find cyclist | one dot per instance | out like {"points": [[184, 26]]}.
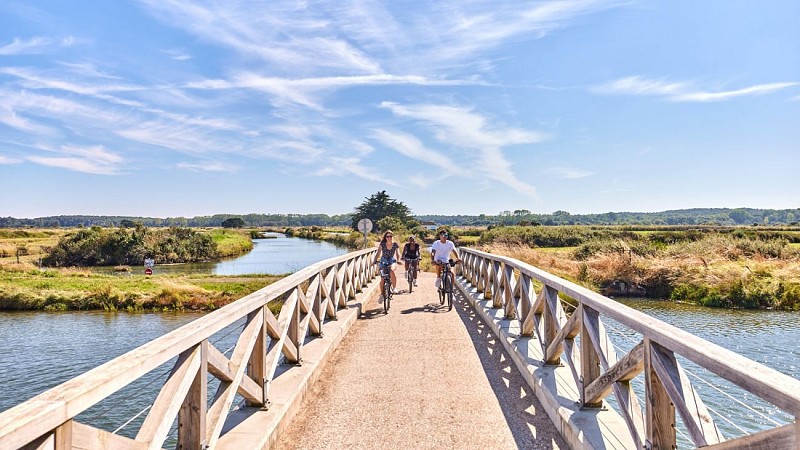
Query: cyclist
{"points": [[440, 254], [388, 254], [411, 255]]}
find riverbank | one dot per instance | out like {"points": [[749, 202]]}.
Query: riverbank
{"points": [[730, 268], [24, 287]]}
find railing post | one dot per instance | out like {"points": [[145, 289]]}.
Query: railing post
{"points": [[590, 360], [550, 320], [509, 288], [526, 297], [257, 366], [293, 334], [63, 436], [660, 425], [192, 415], [497, 283]]}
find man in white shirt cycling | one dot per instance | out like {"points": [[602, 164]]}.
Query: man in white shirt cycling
{"points": [[440, 254]]}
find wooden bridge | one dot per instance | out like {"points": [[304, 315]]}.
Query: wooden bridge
{"points": [[524, 360]]}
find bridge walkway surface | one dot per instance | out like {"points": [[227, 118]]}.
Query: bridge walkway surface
{"points": [[421, 377]]}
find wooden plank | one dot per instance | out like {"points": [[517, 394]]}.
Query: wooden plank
{"points": [[155, 428], [509, 286], [293, 335], [781, 438], [85, 437], [625, 369], [527, 294], [660, 421], [314, 293], [63, 436], [221, 368], [590, 360], [46, 442], [497, 280], [573, 354], [695, 415], [631, 411], [277, 346], [569, 330], [257, 366], [215, 418], [192, 414]]}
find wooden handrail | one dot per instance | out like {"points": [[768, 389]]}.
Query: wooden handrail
{"points": [[331, 283], [597, 372]]}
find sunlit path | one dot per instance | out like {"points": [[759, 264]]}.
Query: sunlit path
{"points": [[421, 377]]}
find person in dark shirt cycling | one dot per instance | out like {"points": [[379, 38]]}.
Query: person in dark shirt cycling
{"points": [[411, 256], [387, 255]]}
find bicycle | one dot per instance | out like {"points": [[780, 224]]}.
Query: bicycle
{"points": [[385, 270], [446, 286], [411, 276]]}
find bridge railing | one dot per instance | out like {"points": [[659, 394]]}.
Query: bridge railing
{"points": [[597, 371], [310, 297]]}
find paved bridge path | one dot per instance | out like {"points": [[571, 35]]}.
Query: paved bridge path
{"points": [[421, 377]]}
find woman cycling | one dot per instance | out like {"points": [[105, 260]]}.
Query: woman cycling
{"points": [[411, 256], [388, 254]]}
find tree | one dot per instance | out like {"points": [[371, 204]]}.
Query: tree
{"points": [[233, 222], [380, 205]]}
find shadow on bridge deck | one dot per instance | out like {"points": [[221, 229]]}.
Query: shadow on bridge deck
{"points": [[421, 377]]}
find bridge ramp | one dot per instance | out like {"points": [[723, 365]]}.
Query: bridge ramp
{"points": [[421, 377]]}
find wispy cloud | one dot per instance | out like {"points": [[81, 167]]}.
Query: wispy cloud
{"points": [[353, 166], [682, 91], [293, 37], [639, 86], [93, 160], [178, 54], [36, 44], [759, 89], [568, 173], [410, 146], [7, 160], [462, 127], [300, 91], [209, 166]]}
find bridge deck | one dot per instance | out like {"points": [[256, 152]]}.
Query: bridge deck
{"points": [[421, 377]]}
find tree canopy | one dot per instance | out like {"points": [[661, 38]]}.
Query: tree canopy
{"points": [[379, 206], [233, 222]]}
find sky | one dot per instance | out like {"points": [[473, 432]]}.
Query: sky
{"points": [[165, 108]]}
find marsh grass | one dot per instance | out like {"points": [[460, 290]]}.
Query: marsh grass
{"points": [[728, 268], [231, 242], [25, 287]]}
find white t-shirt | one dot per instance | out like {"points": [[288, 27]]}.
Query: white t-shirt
{"points": [[442, 251]]}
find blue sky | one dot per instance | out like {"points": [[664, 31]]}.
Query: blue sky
{"points": [[194, 107]]}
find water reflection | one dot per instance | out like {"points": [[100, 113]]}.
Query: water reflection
{"points": [[275, 254]]}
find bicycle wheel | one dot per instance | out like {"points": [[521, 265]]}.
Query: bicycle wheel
{"points": [[410, 278], [441, 292], [447, 291], [387, 295]]}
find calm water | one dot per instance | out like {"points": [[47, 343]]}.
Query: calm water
{"points": [[276, 255], [759, 335]]}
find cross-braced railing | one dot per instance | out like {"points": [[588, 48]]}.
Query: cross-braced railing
{"points": [[597, 371], [312, 296]]}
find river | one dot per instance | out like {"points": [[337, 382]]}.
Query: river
{"points": [[41, 350]]}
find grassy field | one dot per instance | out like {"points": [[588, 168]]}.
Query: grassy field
{"points": [[24, 286]]}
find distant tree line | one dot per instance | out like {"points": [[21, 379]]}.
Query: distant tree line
{"points": [[381, 205], [98, 246], [217, 220], [698, 216]]}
